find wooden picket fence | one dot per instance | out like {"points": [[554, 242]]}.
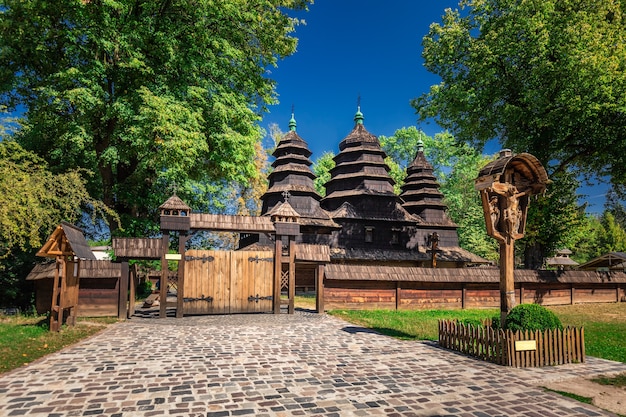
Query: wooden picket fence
{"points": [[517, 349]]}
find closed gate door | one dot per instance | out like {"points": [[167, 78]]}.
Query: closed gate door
{"points": [[221, 282]]}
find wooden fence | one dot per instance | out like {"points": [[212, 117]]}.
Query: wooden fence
{"points": [[518, 349]]}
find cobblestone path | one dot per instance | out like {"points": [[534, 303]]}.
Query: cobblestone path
{"points": [[277, 365]]}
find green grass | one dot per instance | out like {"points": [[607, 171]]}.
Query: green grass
{"points": [[409, 324], [604, 324], [580, 398], [618, 380], [605, 327], [25, 339]]}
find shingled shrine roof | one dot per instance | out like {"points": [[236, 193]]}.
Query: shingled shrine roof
{"points": [[67, 240], [292, 180], [361, 180], [421, 194]]}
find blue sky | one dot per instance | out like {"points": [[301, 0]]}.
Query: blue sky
{"points": [[349, 48], [366, 48]]}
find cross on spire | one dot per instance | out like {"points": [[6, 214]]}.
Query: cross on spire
{"points": [[286, 196]]}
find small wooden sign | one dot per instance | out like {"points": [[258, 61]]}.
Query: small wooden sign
{"points": [[522, 345], [173, 256]]}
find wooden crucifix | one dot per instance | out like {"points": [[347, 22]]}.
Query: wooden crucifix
{"points": [[505, 187]]}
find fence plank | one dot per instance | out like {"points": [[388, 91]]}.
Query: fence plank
{"points": [[553, 347]]}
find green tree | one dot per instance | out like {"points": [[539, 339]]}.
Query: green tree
{"points": [[555, 220], [612, 237], [33, 201], [321, 168], [542, 76], [147, 93], [614, 205], [455, 165]]}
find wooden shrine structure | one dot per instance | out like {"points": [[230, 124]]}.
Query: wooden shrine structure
{"points": [[505, 187], [67, 245]]}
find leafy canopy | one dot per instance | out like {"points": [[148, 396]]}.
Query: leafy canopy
{"points": [[145, 93], [33, 201], [542, 76], [455, 165]]}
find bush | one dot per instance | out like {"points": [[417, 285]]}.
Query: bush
{"points": [[531, 317], [144, 289]]}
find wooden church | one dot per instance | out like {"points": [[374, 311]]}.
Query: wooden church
{"points": [[361, 220]]}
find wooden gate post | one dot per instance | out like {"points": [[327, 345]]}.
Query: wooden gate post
{"points": [[319, 299], [286, 224], [180, 289], [292, 274], [164, 276], [278, 272], [126, 297]]}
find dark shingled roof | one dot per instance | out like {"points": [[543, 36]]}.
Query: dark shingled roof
{"points": [[71, 235], [137, 248], [88, 269], [464, 275], [421, 194]]}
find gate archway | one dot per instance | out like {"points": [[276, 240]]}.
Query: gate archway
{"points": [[226, 282]]}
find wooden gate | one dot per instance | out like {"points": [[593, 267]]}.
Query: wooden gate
{"points": [[222, 282]]}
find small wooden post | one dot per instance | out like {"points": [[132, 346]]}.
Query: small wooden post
{"points": [[507, 281], [133, 290], [398, 292], [180, 290], [278, 270], [463, 296], [163, 283], [122, 308], [319, 272], [292, 274]]}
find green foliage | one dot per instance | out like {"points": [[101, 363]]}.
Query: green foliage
{"points": [[321, 168], [555, 220], [612, 237], [33, 202], [148, 94], [144, 289], [531, 317], [455, 165], [614, 205], [545, 77]]}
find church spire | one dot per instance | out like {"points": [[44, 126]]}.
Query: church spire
{"points": [[292, 122]]}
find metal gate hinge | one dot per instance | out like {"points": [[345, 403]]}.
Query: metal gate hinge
{"points": [[257, 298], [257, 259], [200, 258]]}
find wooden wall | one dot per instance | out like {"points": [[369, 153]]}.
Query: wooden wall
{"points": [[97, 297], [392, 295]]}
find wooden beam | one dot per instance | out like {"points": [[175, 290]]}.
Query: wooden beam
{"points": [[278, 269], [164, 274], [292, 274], [507, 282], [319, 299], [180, 291], [122, 307]]}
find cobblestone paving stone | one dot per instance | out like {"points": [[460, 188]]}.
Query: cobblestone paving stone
{"points": [[277, 365]]}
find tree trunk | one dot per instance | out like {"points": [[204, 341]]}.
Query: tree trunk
{"points": [[533, 256]]}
